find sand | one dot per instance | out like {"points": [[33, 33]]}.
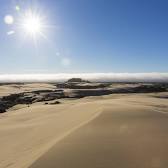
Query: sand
{"points": [[15, 88], [121, 131], [121, 136]]}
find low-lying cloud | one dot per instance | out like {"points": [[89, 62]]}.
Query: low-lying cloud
{"points": [[100, 77]]}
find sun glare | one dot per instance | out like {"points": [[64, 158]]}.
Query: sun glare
{"points": [[32, 24]]}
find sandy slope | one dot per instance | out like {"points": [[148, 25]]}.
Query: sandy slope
{"points": [[15, 88], [27, 133], [121, 137], [101, 133]]}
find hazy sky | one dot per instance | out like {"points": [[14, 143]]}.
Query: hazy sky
{"points": [[85, 36]]}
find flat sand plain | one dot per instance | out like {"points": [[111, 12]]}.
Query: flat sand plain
{"points": [[120, 131], [19, 88]]}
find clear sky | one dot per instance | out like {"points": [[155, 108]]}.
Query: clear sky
{"points": [[84, 36]]}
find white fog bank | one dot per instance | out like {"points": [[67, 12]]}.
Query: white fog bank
{"points": [[100, 77]]}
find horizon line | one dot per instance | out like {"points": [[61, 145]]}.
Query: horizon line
{"points": [[93, 77]]}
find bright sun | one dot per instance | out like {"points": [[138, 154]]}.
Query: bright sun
{"points": [[32, 24]]}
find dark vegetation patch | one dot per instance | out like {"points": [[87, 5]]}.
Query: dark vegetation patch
{"points": [[28, 98], [162, 97]]}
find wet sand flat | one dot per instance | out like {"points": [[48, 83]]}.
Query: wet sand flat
{"points": [[121, 137]]}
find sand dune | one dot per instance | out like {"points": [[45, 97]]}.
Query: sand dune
{"points": [[19, 88], [86, 132], [121, 136], [28, 133]]}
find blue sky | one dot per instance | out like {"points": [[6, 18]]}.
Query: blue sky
{"points": [[87, 36]]}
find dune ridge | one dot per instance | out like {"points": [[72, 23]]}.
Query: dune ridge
{"points": [[28, 133]]}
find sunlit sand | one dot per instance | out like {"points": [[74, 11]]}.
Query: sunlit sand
{"points": [[118, 130]]}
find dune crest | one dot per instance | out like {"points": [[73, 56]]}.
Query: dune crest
{"points": [[28, 133]]}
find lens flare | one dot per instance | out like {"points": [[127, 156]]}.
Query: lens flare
{"points": [[10, 32], [8, 19], [17, 8]]}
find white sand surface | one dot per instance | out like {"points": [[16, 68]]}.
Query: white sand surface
{"points": [[28, 133]]}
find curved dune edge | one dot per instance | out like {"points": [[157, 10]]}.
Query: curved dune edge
{"points": [[28, 133], [45, 149]]}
